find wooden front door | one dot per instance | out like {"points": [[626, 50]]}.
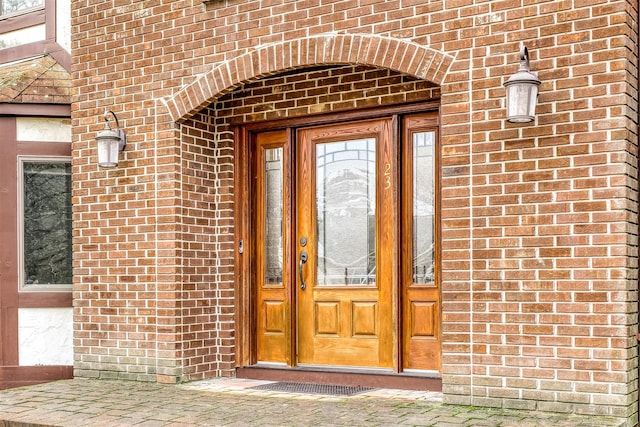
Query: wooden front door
{"points": [[344, 244]]}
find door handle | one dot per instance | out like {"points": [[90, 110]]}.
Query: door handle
{"points": [[303, 260]]}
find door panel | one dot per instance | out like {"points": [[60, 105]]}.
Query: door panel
{"points": [[343, 211], [364, 315], [271, 207]]}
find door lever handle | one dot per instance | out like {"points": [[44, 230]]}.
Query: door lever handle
{"points": [[303, 260]]}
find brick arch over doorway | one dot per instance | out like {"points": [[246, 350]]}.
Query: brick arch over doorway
{"points": [[399, 55]]}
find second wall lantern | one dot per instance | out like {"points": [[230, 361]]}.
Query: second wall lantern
{"points": [[522, 92], [110, 142]]}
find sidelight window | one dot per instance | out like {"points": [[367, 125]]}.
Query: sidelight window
{"points": [[423, 207], [273, 216]]}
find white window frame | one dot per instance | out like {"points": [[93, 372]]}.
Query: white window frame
{"points": [[22, 287]]}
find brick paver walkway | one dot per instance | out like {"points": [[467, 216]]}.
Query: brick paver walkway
{"points": [[228, 402]]}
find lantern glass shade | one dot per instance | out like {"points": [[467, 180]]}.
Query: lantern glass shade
{"points": [[521, 101], [108, 153], [109, 145]]}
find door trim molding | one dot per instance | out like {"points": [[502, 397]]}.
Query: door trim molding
{"points": [[337, 117]]}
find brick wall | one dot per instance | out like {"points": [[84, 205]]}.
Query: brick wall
{"points": [[539, 221]]}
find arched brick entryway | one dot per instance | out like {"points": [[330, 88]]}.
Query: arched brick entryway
{"points": [[193, 107], [399, 55]]}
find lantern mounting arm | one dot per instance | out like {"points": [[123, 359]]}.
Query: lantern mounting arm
{"points": [[119, 131], [524, 60]]}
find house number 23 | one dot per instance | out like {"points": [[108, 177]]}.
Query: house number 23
{"points": [[387, 176]]}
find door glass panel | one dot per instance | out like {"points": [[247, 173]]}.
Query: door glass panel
{"points": [[423, 207], [273, 216], [346, 208]]}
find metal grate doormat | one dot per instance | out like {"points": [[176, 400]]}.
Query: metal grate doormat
{"points": [[330, 389]]}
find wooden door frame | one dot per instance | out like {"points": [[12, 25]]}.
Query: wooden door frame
{"points": [[244, 297]]}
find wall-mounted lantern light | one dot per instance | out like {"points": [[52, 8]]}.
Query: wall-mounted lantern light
{"points": [[522, 92], [110, 142]]}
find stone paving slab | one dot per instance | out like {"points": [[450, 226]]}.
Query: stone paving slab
{"points": [[230, 402]]}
